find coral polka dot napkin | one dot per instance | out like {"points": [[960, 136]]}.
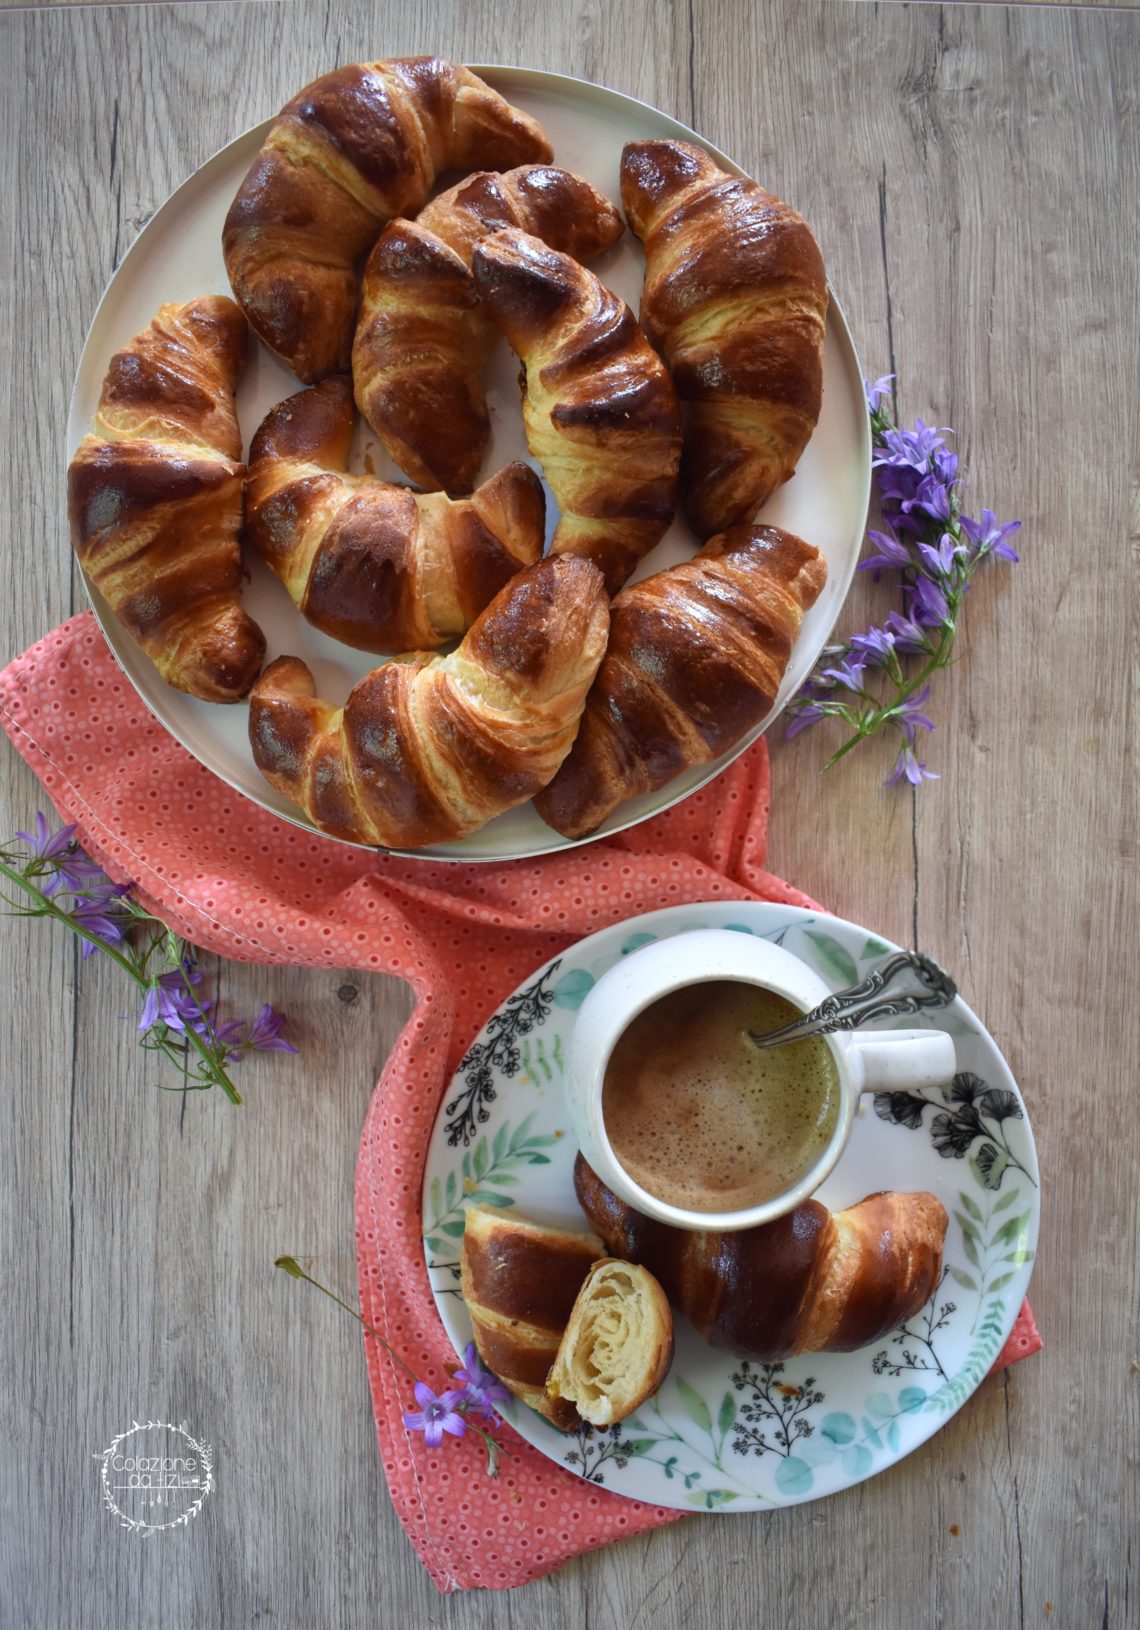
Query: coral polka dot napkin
{"points": [[239, 882]]}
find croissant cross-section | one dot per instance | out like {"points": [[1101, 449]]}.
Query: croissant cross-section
{"points": [[617, 1345]]}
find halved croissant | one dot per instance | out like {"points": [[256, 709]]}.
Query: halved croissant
{"points": [[735, 300], [520, 1281], [617, 1346], [155, 499], [375, 565], [427, 749], [600, 410], [812, 1281], [696, 655], [422, 337], [348, 153]]}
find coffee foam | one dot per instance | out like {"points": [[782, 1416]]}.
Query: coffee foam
{"points": [[702, 1119]]}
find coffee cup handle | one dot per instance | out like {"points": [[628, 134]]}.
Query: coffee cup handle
{"points": [[896, 1059]]}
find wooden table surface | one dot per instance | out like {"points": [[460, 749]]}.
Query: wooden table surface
{"points": [[972, 175]]}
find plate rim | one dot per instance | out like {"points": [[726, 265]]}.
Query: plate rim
{"points": [[1013, 1294], [119, 641]]}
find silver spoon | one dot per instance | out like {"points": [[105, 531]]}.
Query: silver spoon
{"points": [[914, 983]]}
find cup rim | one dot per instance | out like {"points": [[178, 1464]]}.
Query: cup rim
{"points": [[779, 1205]]}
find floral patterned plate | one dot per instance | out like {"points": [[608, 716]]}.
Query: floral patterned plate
{"points": [[724, 1433]]}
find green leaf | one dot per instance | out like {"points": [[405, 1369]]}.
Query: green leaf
{"points": [[817, 1451], [480, 1157], [434, 1244], [794, 1476], [834, 958], [839, 1427], [1006, 1200], [871, 1433], [452, 1188], [726, 1415], [536, 1160], [467, 1167], [436, 1197], [856, 1461], [520, 1133], [641, 1446], [504, 1179], [488, 1197], [910, 1399], [894, 1437], [961, 1277], [1001, 1281], [971, 1206], [874, 947], [695, 1407], [710, 1499], [964, 1224], [454, 1228], [1010, 1230], [1022, 1254], [970, 1247], [499, 1147], [572, 990], [881, 1405], [635, 942]]}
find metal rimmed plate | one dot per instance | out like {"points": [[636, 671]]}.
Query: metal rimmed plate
{"points": [[722, 1433], [178, 255]]}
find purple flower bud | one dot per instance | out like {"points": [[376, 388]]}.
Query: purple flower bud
{"points": [[891, 553], [849, 673], [909, 636], [909, 769], [876, 389], [875, 646], [928, 604], [804, 717], [482, 1391]]}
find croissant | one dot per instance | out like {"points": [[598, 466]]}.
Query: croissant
{"points": [[600, 410], [379, 566], [812, 1281], [696, 656], [155, 499], [350, 152], [617, 1346], [427, 749], [735, 300], [422, 337], [520, 1282]]}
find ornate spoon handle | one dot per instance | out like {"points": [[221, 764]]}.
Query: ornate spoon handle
{"points": [[918, 983]]}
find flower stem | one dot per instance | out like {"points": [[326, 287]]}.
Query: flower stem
{"points": [[47, 908], [292, 1266]]}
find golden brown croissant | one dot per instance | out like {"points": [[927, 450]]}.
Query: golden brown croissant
{"points": [[617, 1346], [155, 499], [379, 566], [427, 749], [422, 337], [695, 658], [520, 1281], [600, 410], [350, 152], [735, 299], [812, 1281]]}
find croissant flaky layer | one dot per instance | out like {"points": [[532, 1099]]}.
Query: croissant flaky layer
{"points": [[422, 336], [347, 154], [695, 659], [600, 410], [375, 565], [155, 498], [428, 749], [812, 1281], [520, 1281], [735, 299]]}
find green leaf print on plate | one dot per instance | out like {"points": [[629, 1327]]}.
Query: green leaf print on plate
{"points": [[832, 958]]}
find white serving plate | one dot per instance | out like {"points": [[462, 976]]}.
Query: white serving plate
{"points": [[178, 255]]}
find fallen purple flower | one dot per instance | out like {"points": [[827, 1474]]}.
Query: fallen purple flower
{"points": [[72, 867], [435, 1416], [168, 1002], [482, 1391]]}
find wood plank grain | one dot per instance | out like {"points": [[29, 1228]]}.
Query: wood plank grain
{"points": [[969, 176]]}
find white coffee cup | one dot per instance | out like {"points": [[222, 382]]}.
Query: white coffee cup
{"points": [[865, 1061]]}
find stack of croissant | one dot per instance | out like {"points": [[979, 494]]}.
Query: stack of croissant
{"points": [[568, 685]]}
